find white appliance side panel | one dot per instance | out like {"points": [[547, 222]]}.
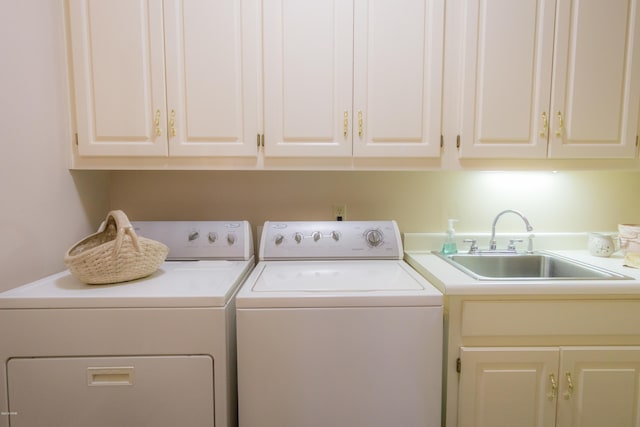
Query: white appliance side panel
{"points": [[340, 367], [107, 392]]}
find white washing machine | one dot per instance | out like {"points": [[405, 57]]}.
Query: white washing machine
{"points": [[159, 351], [335, 329]]}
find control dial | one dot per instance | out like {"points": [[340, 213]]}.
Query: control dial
{"points": [[316, 236], [298, 237], [231, 238], [374, 238], [279, 239], [212, 237]]}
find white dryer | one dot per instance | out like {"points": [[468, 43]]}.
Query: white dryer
{"points": [[159, 351], [335, 329]]}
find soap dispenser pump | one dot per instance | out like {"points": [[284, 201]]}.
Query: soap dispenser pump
{"points": [[449, 246]]}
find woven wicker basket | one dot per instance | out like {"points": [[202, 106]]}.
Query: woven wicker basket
{"points": [[114, 254]]}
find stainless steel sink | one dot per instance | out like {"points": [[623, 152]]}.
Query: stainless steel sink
{"points": [[525, 266]]}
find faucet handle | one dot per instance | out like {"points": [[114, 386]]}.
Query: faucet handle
{"points": [[474, 245], [512, 244]]}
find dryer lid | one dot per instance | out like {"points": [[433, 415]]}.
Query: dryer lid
{"points": [[174, 284]]}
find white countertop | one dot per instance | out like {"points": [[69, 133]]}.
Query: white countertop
{"points": [[451, 281]]}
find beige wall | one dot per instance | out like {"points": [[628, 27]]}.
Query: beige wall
{"points": [[45, 208], [419, 201]]}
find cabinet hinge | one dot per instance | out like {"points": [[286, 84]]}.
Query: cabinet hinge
{"points": [[458, 365], [458, 142]]}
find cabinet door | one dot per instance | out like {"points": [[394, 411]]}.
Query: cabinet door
{"points": [[506, 86], [118, 70], [212, 77], [397, 78], [599, 386], [506, 387], [596, 79], [308, 71]]}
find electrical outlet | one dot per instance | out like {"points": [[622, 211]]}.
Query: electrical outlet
{"points": [[340, 212]]}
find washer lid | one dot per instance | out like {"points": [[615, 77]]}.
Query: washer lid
{"points": [[336, 284], [327, 276], [174, 284]]}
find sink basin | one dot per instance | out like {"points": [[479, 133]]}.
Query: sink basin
{"points": [[534, 266]]}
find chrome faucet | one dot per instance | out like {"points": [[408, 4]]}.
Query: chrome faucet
{"points": [[492, 242]]}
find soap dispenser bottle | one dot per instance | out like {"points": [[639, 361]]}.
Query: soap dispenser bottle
{"points": [[449, 246]]}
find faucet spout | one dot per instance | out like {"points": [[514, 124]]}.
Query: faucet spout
{"points": [[492, 242]]}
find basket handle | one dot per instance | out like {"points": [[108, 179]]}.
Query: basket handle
{"points": [[123, 226]]}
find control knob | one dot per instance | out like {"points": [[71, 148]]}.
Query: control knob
{"points": [[193, 236], [279, 239], [298, 237], [231, 238], [212, 237], [374, 238], [335, 235], [316, 236]]}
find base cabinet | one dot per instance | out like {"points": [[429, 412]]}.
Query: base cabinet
{"points": [[537, 387]]}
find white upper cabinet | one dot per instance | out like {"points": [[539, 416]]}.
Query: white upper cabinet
{"points": [[596, 79], [119, 81], [175, 78], [397, 105], [308, 77], [550, 79], [356, 78]]}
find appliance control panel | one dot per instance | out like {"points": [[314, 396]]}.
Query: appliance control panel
{"points": [[195, 240], [330, 240]]}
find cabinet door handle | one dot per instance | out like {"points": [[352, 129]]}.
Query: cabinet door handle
{"points": [[345, 123], [545, 125], [554, 387], [156, 123], [560, 124], [172, 123], [360, 124], [567, 394]]}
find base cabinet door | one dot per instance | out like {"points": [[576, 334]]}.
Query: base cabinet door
{"points": [[506, 387], [549, 386], [599, 387]]}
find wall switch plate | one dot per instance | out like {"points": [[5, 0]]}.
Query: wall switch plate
{"points": [[340, 212]]}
